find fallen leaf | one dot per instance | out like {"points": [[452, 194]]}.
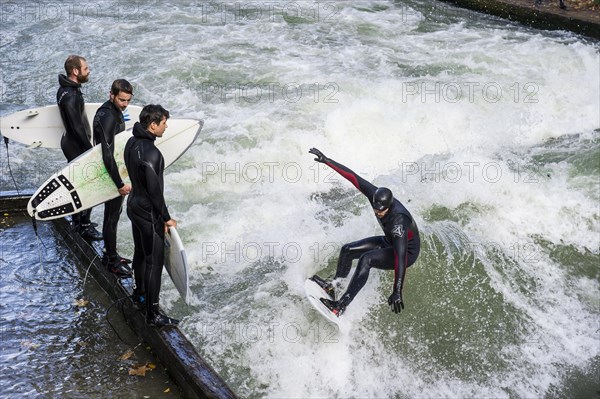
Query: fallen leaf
{"points": [[167, 390], [128, 353], [141, 370]]}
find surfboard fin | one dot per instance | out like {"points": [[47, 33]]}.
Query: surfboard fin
{"points": [[34, 144]]}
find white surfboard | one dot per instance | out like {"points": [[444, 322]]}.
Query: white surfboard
{"points": [[176, 263], [314, 292], [43, 126], [85, 183]]}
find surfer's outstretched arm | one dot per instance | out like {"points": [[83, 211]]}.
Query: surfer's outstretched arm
{"points": [[361, 184]]}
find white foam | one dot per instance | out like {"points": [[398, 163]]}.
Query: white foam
{"points": [[249, 186]]}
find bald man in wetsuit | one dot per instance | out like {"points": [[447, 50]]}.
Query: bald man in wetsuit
{"points": [[396, 250]]}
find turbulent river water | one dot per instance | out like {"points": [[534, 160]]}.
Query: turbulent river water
{"points": [[486, 130]]}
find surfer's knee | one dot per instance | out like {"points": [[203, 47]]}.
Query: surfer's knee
{"points": [[346, 250]]}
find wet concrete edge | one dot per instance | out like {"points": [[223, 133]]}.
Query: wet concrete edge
{"points": [[537, 18], [195, 377]]}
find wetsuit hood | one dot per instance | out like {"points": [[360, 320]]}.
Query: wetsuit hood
{"points": [[140, 132], [110, 105], [64, 81], [382, 198]]}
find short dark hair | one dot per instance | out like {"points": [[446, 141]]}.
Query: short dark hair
{"points": [[73, 62], [120, 85], [152, 113]]}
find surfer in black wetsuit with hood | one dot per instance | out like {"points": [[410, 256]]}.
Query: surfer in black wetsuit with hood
{"points": [[147, 210], [108, 122], [77, 137], [396, 250]]}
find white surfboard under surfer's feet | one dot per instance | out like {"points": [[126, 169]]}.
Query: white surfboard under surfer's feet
{"points": [[314, 293]]}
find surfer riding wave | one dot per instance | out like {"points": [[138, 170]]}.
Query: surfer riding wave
{"points": [[396, 250]]}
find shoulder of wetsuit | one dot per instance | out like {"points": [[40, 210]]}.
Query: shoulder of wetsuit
{"points": [[68, 93], [398, 216], [153, 155]]}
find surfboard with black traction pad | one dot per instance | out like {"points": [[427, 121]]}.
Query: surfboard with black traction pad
{"points": [[85, 182]]}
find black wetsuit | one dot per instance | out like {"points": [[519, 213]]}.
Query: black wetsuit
{"points": [[148, 213], [397, 249], [108, 122], [77, 137]]}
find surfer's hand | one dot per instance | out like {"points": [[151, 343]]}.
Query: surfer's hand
{"points": [[123, 191], [395, 301], [170, 223], [320, 156]]}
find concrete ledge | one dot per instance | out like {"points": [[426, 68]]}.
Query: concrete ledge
{"points": [[14, 201], [549, 16], [195, 377]]}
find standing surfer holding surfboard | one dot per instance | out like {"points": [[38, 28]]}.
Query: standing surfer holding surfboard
{"points": [[77, 137], [147, 210], [108, 122], [396, 250]]}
